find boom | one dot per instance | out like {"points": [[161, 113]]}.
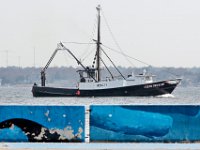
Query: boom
{"points": [[43, 77], [60, 47]]}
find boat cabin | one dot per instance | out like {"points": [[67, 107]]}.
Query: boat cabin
{"points": [[87, 75], [145, 77]]}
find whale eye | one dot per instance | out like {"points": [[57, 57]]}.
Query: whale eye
{"points": [[110, 115]]}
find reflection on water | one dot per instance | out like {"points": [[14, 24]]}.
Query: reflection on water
{"points": [[23, 96]]}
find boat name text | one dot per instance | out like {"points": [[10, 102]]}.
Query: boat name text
{"points": [[102, 84], [154, 85]]}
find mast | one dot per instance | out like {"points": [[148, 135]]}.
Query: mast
{"points": [[98, 47]]}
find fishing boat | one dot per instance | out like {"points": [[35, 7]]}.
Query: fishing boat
{"points": [[91, 83]]}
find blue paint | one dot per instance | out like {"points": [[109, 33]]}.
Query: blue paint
{"points": [[51, 119], [145, 123], [178, 109], [130, 122], [107, 123], [12, 135]]}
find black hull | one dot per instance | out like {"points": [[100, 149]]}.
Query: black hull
{"points": [[151, 89]]}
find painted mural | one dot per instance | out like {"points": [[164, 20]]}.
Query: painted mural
{"points": [[145, 123], [42, 123]]}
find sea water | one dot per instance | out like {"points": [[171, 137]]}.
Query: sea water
{"points": [[22, 95]]}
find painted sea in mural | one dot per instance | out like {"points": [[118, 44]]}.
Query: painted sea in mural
{"points": [[42, 123]]}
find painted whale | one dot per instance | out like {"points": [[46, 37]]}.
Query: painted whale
{"points": [[184, 110], [130, 122]]}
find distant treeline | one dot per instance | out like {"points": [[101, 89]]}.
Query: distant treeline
{"points": [[69, 76]]}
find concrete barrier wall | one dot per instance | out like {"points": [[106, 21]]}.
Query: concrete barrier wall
{"points": [[42, 123], [111, 123], [145, 123]]}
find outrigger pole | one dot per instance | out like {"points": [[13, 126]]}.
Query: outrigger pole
{"points": [[43, 77], [79, 63], [43, 74]]}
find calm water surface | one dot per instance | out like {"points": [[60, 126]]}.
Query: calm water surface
{"points": [[22, 95]]}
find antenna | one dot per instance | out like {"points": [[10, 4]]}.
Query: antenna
{"points": [[6, 58], [19, 61], [34, 57], [6, 51]]}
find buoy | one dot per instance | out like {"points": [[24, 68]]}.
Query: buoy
{"points": [[78, 92]]}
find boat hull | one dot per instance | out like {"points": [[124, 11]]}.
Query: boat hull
{"points": [[150, 89]]}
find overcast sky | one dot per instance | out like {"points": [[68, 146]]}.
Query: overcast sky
{"points": [[159, 32]]}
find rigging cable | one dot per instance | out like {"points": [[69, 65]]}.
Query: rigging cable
{"points": [[78, 43], [114, 39], [107, 68], [85, 51], [84, 44], [113, 64], [123, 52], [127, 55], [90, 52], [137, 59]]}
